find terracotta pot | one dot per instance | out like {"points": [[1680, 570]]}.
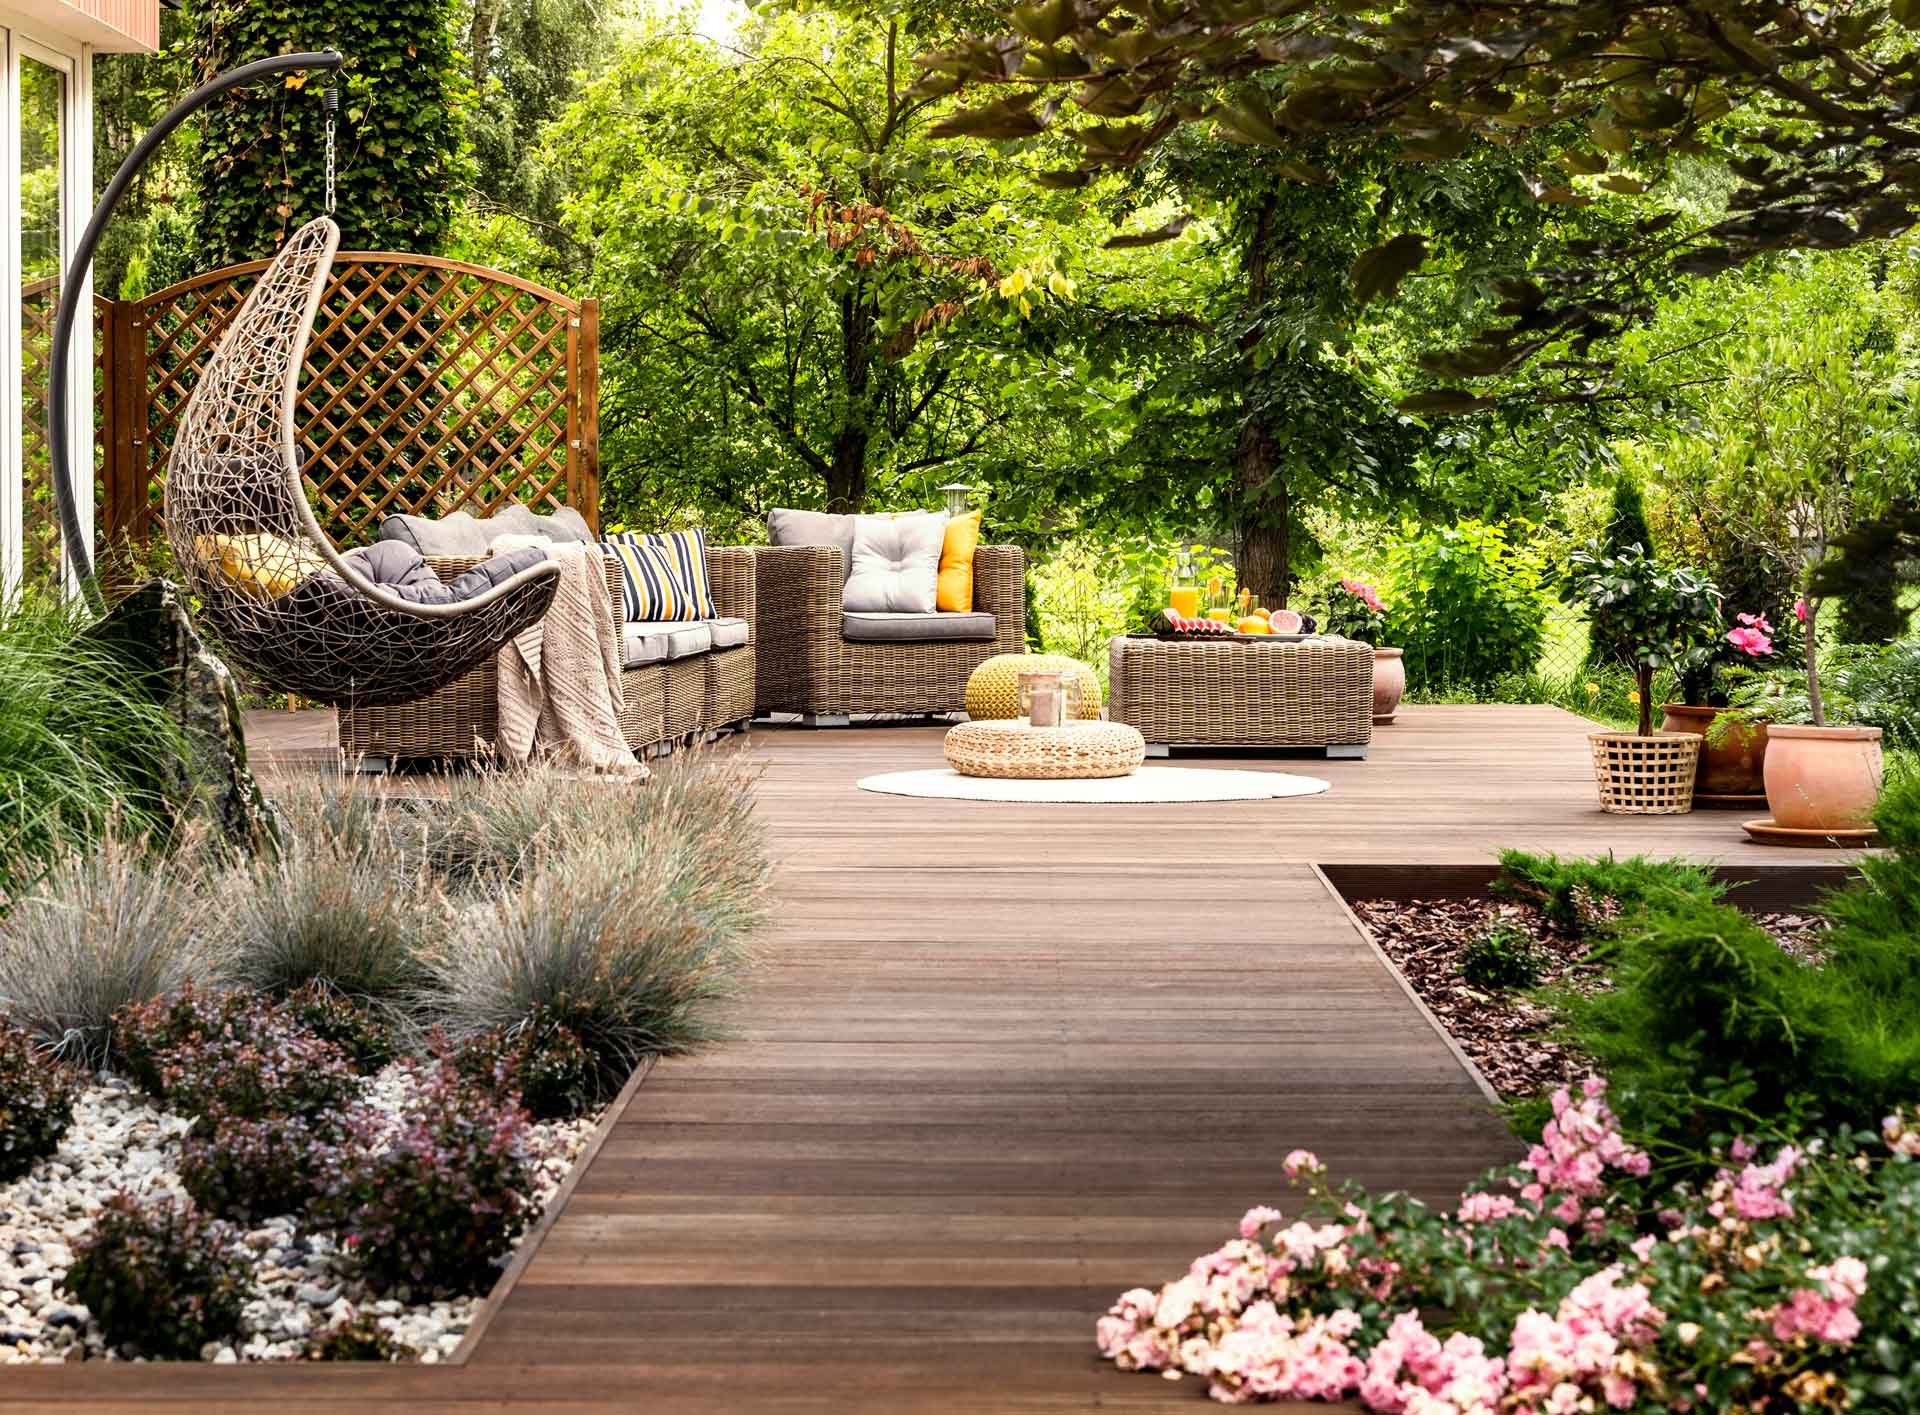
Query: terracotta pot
{"points": [[1389, 682], [1734, 765], [1823, 778]]}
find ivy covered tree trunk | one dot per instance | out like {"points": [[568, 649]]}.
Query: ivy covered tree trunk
{"points": [[401, 166]]}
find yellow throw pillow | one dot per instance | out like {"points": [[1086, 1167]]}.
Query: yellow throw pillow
{"points": [[262, 565], [954, 595]]}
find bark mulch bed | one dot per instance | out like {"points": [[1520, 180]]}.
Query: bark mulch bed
{"points": [[1507, 1033]]}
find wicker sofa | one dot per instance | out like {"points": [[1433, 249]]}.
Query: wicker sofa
{"points": [[808, 665], [666, 702]]}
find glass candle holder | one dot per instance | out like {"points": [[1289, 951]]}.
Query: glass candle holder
{"points": [[1049, 697]]}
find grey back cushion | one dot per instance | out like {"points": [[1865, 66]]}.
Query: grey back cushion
{"points": [[813, 528], [463, 533], [896, 564]]}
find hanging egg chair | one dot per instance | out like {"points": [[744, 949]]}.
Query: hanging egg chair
{"points": [[371, 627], [368, 628]]}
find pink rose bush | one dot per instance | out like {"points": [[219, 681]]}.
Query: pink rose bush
{"points": [[1580, 1280], [1356, 611]]}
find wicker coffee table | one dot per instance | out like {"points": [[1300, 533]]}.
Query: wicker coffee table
{"points": [[1012, 748], [1314, 692]]}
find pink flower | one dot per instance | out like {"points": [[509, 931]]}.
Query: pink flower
{"points": [[1299, 1162], [1759, 1190], [1271, 1355], [1413, 1371], [1751, 642], [1800, 610], [1257, 1218], [1756, 621], [1825, 1314], [1480, 1208]]}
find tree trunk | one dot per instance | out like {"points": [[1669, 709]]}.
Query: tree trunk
{"points": [[847, 471], [1261, 529], [1260, 523], [486, 20]]}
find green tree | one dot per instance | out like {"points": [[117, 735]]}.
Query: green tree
{"points": [[401, 163], [807, 299], [1609, 642]]}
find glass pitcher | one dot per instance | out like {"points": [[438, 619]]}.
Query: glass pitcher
{"points": [[1049, 697]]}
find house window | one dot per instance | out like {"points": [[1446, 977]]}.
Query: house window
{"points": [[45, 157]]}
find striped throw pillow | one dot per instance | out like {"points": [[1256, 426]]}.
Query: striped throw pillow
{"points": [[649, 583], [687, 551]]}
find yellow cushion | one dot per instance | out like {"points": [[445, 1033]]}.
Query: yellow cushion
{"points": [[954, 594], [262, 565], [993, 690]]}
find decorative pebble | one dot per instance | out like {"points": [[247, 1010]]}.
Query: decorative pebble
{"points": [[120, 1139]]}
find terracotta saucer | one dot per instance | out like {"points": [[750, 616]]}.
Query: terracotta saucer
{"points": [[1741, 801], [1767, 833]]}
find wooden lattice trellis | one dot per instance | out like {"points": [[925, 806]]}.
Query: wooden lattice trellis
{"points": [[430, 386]]}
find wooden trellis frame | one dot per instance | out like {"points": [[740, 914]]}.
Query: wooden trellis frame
{"points": [[430, 386]]}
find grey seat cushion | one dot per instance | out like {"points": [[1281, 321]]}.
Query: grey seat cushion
{"points": [[463, 533], [917, 628], [728, 633], [401, 569], [662, 641]]}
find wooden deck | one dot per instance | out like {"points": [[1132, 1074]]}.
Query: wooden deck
{"points": [[999, 1062]]}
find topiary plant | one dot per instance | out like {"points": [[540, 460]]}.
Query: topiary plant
{"points": [[450, 1193], [160, 1276], [1665, 618], [36, 1103]]}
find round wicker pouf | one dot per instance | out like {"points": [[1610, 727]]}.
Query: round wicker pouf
{"points": [[1015, 749], [993, 690]]}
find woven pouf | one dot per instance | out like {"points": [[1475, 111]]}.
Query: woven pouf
{"points": [[1072, 750], [993, 689]]}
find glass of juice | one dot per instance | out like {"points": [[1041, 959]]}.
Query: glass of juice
{"points": [[1184, 600]]}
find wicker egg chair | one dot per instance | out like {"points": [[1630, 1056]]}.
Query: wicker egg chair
{"points": [[354, 630]]}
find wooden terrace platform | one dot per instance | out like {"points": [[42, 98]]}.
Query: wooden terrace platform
{"points": [[999, 1063]]}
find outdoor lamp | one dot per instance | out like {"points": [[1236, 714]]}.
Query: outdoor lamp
{"points": [[956, 494]]}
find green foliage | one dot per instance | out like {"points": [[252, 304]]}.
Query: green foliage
{"points": [[1859, 685], [83, 749], [36, 1102], [404, 97], [1504, 956], [1659, 617], [1589, 899], [1468, 604], [1626, 528], [161, 1276], [1084, 598]]}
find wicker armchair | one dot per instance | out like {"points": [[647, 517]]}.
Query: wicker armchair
{"points": [[664, 702], [805, 666]]}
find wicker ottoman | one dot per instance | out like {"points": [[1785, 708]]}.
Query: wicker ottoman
{"points": [[993, 689], [1005, 748], [1314, 692]]}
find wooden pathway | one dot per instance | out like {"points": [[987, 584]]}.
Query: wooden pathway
{"points": [[999, 1063]]}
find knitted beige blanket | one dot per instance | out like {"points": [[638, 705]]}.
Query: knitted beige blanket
{"points": [[560, 690]]}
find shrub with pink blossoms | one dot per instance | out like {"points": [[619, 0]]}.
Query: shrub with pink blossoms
{"points": [[1578, 1280]]}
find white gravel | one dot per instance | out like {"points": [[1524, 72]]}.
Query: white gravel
{"points": [[120, 1140]]}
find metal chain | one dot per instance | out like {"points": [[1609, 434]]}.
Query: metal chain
{"points": [[332, 106]]}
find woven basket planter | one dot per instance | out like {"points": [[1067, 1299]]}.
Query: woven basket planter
{"points": [[1645, 776]]}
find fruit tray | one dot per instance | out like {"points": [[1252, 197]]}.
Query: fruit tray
{"points": [[1224, 636]]}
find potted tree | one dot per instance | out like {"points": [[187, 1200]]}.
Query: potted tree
{"points": [[1733, 754], [1355, 611], [1662, 618], [1824, 443]]}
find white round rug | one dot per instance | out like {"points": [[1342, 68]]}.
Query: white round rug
{"points": [[1148, 784]]}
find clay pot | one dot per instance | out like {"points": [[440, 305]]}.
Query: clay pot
{"points": [[1731, 767], [1389, 682], [1823, 778]]}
